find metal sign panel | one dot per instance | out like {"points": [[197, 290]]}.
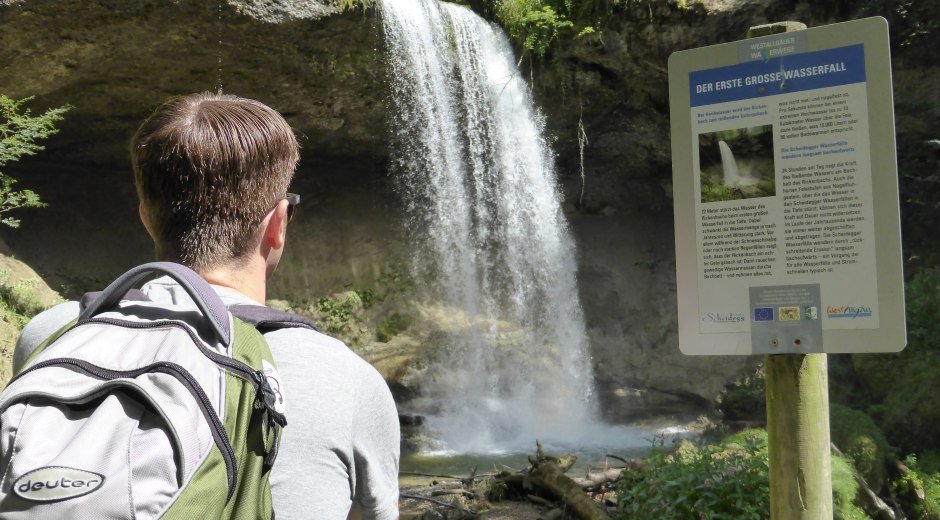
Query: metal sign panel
{"points": [[785, 174]]}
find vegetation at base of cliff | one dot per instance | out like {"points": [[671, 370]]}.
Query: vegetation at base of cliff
{"points": [[345, 314], [725, 480], [900, 389], [919, 489], [744, 399], [20, 132], [844, 491], [860, 439], [18, 303], [392, 326], [728, 480], [335, 312]]}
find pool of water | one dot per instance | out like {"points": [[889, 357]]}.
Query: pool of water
{"points": [[627, 442]]}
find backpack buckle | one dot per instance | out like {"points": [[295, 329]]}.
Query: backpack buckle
{"points": [[271, 420]]}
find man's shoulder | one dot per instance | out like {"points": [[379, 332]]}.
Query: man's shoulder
{"points": [[298, 344], [43, 325]]}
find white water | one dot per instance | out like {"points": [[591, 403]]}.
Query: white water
{"points": [[491, 242], [731, 176]]}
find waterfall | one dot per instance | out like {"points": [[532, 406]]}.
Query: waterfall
{"points": [[490, 241], [729, 165]]}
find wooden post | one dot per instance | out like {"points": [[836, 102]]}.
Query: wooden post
{"points": [[798, 436], [797, 415]]}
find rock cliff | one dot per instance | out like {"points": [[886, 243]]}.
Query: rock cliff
{"points": [[324, 70]]}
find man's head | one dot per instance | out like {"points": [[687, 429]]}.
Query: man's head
{"points": [[209, 169]]}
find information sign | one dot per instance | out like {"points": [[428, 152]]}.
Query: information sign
{"points": [[785, 175]]}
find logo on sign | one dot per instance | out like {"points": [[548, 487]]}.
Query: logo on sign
{"points": [[54, 483], [726, 317], [789, 314], [849, 311], [763, 314]]}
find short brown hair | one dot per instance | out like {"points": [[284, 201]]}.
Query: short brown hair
{"points": [[208, 168]]}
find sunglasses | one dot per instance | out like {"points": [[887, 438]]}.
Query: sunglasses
{"points": [[293, 200]]}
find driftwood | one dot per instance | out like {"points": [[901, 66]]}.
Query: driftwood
{"points": [[440, 503], [547, 474], [597, 479], [617, 457], [871, 501]]}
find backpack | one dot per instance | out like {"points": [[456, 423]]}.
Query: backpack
{"points": [[139, 410]]}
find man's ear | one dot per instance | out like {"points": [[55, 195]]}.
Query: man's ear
{"points": [[145, 218], [275, 230]]}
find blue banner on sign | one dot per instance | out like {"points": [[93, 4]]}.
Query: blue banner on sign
{"points": [[783, 75]]}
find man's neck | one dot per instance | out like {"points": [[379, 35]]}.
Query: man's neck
{"points": [[248, 279]]}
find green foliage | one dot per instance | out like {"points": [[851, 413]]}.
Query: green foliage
{"points": [[919, 491], [367, 297], [19, 133], [923, 309], [336, 313], [844, 491], [726, 481], [861, 441], [343, 313], [538, 23], [18, 302], [715, 192], [393, 280], [392, 326], [903, 385], [766, 186], [929, 461], [355, 5], [496, 490], [744, 399]]}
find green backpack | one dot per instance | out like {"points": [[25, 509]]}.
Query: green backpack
{"points": [[140, 410]]}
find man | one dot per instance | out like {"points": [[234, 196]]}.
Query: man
{"points": [[212, 173]]}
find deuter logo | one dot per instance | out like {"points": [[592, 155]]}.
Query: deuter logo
{"points": [[849, 311], [723, 317], [54, 483]]}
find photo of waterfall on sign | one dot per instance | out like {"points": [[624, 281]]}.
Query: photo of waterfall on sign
{"points": [[490, 240], [737, 163]]}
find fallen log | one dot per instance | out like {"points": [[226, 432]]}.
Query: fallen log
{"points": [[547, 474], [598, 479], [440, 503]]}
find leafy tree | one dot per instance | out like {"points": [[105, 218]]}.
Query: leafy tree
{"points": [[537, 23], [19, 133]]}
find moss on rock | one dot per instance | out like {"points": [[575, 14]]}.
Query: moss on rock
{"points": [[863, 443], [844, 491]]}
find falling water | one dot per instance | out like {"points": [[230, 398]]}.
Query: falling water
{"points": [[729, 165], [491, 243]]}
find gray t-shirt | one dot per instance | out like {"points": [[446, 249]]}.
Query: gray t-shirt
{"points": [[341, 444]]}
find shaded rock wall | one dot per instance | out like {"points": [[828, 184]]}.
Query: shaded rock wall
{"points": [[115, 63]]}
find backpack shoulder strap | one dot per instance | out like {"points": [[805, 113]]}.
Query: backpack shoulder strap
{"points": [[206, 300], [135, 295], [266, 319]]}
